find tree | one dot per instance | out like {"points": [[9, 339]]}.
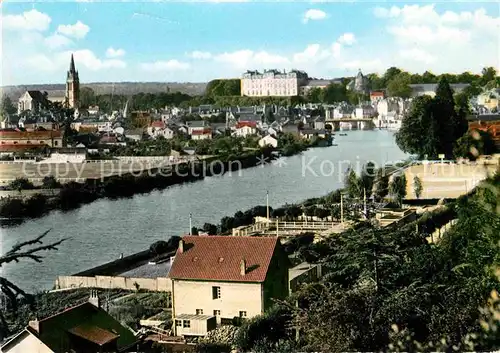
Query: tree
{"points": [[333, 93], [390, 74], [398, 86], [50, 182], [6, 107], [417, 186], [352, 184], [474, 144], [209, 228], [21, 184], [488, 74], [314, 95], [397, 188], [433, 125], [87, 97], [19, 252]]}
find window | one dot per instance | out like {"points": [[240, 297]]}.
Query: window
{"points": [[216, 312], [28, 142], [215, 292], [243, 314], [178, 323], [186, 324], [56, 143], [199, 311]]}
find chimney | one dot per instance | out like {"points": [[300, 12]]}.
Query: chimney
{"points": [[243, 267], [181, 246], [35, 325], [94, 299]]}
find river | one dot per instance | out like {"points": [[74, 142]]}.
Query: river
{"points": [[99, 232]]}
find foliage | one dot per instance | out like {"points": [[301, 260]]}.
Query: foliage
{"points": [[268, 328], [430, 294], [473, 144], [20, 184], [6, 106], [433, 125], [417, 186], [397, 187], [217, 88], [398, 86], [50, 182]]}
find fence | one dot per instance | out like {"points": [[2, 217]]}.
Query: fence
{"points": [[159, 284]]}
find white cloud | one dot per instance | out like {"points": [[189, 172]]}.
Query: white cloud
{"points": [[84, 58], [79, 30], [347, 39], [313, 15], [114, 53], [243, 59], [32, 20], [416, 54], [170, 65], [200, 55], [57, 41], [446, 41]]}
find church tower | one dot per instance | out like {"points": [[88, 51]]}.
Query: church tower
{"points": [[72, 86]]}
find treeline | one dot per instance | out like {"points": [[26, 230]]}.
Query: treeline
{"points": [[139, 101]]}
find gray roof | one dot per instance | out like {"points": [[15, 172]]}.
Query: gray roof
{"points": [[484, 117], [197, 123], [427, 87], [250, 117], [318, 83]]}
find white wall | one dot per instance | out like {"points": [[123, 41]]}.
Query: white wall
{"points": [[235, 297]]}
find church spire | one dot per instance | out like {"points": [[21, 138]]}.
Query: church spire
{"points": [[72, 65]]}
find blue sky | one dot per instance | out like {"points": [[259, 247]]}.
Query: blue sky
{"points": [[200, 41]]}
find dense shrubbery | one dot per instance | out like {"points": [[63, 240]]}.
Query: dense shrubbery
{"points": [[378, 278]]}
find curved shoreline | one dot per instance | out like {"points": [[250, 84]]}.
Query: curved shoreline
{"points": [[73, 195]]}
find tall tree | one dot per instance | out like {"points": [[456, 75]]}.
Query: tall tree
{"points": [[6, 106], [398, 86], [488, 74], [390, 73], [87, 97]]}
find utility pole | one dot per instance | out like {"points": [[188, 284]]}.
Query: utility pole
{"points": [[267, 205], [341, 209], [190, 225], [364, 201]]}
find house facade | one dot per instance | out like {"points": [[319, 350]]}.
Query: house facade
{"points": [[273, 83], [268, 141], [51, 138], [32, 101], [225, 277]]}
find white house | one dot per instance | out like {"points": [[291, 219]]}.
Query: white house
{"points": [[159, 128], [245, 128], [268, 141], [225, 277], [364, 112]]}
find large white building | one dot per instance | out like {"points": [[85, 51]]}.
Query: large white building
{"points": [[273, 83]]}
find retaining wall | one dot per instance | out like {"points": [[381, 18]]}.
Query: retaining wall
{"points": [[160, 284]]}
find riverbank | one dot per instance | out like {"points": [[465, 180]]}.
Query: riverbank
{"points": [[72, 195], [101, 230]]}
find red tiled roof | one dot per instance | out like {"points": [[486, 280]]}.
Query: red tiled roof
{"points": [[246, 123], [377, 94], [201, 132], [12, 134], [218, 258], [93, 334], [20, 147], [158, 124]]}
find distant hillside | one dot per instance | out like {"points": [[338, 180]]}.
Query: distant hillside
{"points": [[124, 88]]}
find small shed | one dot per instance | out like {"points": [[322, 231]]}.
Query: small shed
{"points": [[194, 325]]}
